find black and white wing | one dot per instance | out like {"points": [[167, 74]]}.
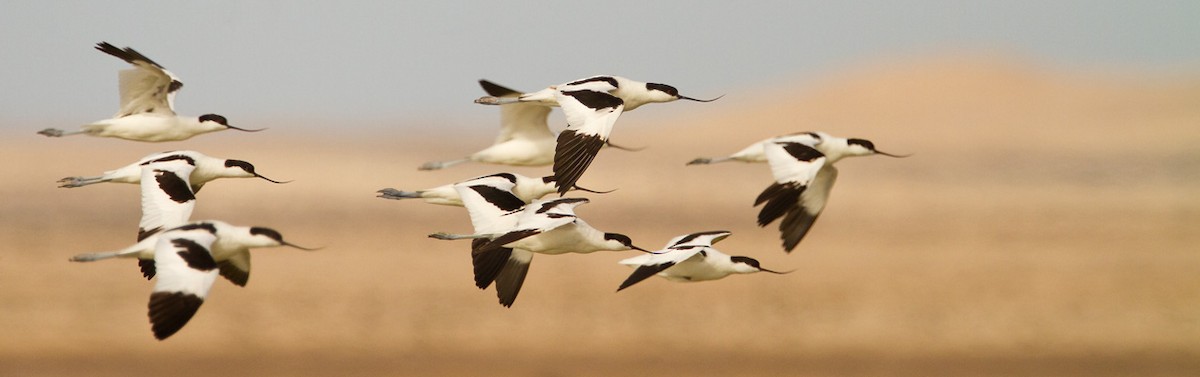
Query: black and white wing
{"points": [[512, 275], [236, 268], [145, 88], [539, 217], [519, 120], [590, 117], [802, 184], [651, 264], [186, 272], [494, 209], [707, 238], [490, 202], [167, 197]]}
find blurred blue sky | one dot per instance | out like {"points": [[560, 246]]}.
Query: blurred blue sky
{"points": [[375, 61]]}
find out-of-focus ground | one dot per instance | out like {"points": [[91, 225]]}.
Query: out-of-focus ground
{"points": [[1048, 223]]}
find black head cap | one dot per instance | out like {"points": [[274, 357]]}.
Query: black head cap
{"points": [[241, 164], [747, 260], [663, 88], [215, 118], [623, 239], [863, 142], [270, 233]]}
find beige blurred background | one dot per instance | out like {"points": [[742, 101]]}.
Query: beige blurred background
{"points": [[1046, 224]]}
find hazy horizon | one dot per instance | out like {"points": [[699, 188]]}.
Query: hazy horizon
{"points": [[375, 61]]}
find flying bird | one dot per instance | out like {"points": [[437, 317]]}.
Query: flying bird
{"points": [[206, 169], [508, 232], [526, 188], [525, 138], [802, 165], [690, 258], [189, 258], [633, 93], [591, 105], [147, 111], [167, 203], [231, 249]]}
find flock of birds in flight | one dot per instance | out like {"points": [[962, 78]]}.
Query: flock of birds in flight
{"points": [[511, 221]]}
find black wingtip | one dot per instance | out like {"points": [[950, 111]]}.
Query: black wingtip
{"points": [[169, 311], [496, 90]]}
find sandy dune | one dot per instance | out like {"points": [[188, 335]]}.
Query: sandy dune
{"points": [[1047, 224]]}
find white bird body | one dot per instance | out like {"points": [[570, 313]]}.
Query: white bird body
{"points": [[691, 261], [147, 108], [206, 170], [802, 165], [152, 127]]}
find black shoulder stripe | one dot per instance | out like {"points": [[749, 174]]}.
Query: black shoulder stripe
{"points": [[174, 157], [612, 81], [595, 100], [201, 225], [548, 205], [503, 200], [173, 186], [690, 237], [196, 256], [508, 176], [802, 152]]}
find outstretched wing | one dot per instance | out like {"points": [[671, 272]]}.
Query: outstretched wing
{"points": [[186, 272], [802, 183], [147, 87], [651, 264], [539, 217], [490, 202], [236, 269], [707, 238], [520, 120], [590, 118], [167, 197]]}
